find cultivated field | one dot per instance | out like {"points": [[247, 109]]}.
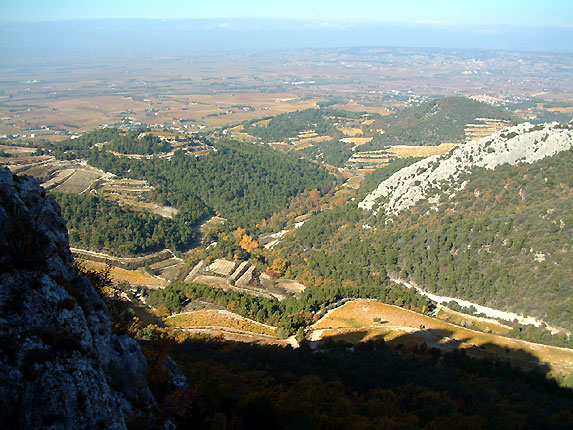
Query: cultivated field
{"points": [[62, 117], [362, 320], [123, 262], [486, 325], [134, 277], [291, 286], [369, 160], [225, 325], [217, 318], [64, 96], [403, 151], [78, 182], [223, 283], [16, 150], [356, 141], [73, 177], [63, 176], [485, 128], [351, 131]]}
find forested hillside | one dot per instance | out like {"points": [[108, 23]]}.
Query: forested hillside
{"points": [[98, 224], [135, 143], [503, 240], [367, 387], [320, 132], [334, 152], [132, 142], [243, 182], [431, 123], [323, 122]]}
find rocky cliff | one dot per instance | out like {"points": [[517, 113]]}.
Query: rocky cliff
{"points": [[523, 143], [61, 367]]}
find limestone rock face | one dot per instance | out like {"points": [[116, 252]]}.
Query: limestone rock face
{"points": [[60, 365], [523, 143]]}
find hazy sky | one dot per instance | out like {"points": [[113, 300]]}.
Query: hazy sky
{"points": [[47, 27], [530, 13]]}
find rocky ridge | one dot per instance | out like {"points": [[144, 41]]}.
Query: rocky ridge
{"points": [[523, 143], [61, 367]]}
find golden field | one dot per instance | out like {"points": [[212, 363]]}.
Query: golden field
{"points": [[217, 318], [354, 322], [134, 277]]}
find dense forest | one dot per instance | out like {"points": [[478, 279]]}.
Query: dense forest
{"points": [[431, 123], [131, 142], [98, 224], [138, 142], [80, 147], [241, 181], [503, 241]]}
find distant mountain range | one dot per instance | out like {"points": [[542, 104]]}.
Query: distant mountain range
{"points": [[176, 37]]}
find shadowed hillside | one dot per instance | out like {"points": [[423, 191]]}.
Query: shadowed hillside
{"points": [[366, 386]]}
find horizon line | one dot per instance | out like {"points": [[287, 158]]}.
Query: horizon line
{"points": [[326, 24]]}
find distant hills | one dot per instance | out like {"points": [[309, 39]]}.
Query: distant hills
{"points": [[182, 36], [332, 136]]}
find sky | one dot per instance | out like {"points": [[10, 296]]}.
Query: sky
{"points": [[175, 27], [528, 13]]}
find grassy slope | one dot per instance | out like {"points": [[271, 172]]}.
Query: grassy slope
{"points": [[394, 322]]}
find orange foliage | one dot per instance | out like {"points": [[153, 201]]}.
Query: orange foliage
{"points": [[239, 233], [248, 244], [279, 265], [314, 197]]}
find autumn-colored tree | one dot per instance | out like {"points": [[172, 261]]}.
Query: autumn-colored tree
{"points": [[163, 311], [340, 201], [314, 197], [239, 233], [248, 244], [279, 265]]}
